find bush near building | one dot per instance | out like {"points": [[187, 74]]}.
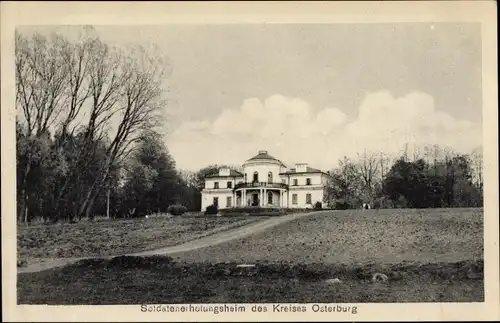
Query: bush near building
{"points": [[212, 210], [262, 211], [176, 209]]}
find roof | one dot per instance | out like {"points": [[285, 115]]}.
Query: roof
{"points": [[308, 170], [232, 173], [263, 155]]}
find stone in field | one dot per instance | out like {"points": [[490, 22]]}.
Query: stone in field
{"points": [[333, 281], [378, 277], [245, 265]]}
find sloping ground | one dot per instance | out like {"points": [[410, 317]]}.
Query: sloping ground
{"points": [[427, 255], [237, 228], [359, 236], [229, 235], [42, 246]]}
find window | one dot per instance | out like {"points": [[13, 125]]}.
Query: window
{"points": [[216, 184], [255, 177], [228, 201], [283, 180], [295, 182], [229, 184], [270, 198], [308, 198], [216, 201], [245, 177], [308, 181], [294, 198], [270, 177]]}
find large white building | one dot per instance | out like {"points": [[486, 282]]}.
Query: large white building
{"points": [[265, 181]]}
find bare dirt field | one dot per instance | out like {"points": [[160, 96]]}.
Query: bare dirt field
{"points": [[432, 255], [116, 237], [359, 236]]}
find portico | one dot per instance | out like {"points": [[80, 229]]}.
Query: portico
{"points": [[260, 194]]}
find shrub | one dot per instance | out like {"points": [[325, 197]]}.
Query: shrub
{"points": [[176, 209], [341, 205], [260, 211], [297, 210], [211, 210], [383, 202], [318, 205], [402, 203]]}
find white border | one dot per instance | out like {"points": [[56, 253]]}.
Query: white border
{"points": [[146, 13]]}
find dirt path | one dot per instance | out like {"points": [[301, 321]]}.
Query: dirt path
{"points": [[203, 242]]}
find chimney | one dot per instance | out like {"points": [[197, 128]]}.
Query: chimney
{"points": [[262, 152], [301, 167], [224, 172]]}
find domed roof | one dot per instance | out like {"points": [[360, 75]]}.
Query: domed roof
{"points": [[263, 155]]}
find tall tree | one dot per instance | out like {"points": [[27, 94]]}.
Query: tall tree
{"points": [[477, 167], [406, 183], [41, 77], [345, 184], [152, 182], [139, 104], [94, 100], [368, 166]]}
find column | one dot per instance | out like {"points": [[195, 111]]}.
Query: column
{"points": [[265, 198], [244, 197], [281, 198], [261, 199]]}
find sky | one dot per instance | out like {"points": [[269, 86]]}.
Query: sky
{"points": [[314, 93]]}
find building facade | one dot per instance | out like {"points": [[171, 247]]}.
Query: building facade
{"points": [[265, 181]]}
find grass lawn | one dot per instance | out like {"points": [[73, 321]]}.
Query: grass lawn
{"points": [[115, 237], [360, 236], [159, 280]]}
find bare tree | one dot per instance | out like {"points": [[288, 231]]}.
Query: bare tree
{"points": [[345, 183], [63, 86], [139, 105], [189, 177], [434, 155], [383, 165], [94, 84], [405, 152], [77, 58], [477, 167], [368, 166], [428, 155], [41, 77], [416, 153]]}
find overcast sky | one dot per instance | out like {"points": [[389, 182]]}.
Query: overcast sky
{"points": [[314, 92]]}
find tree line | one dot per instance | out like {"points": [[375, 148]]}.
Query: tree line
{"points": [[88, 142], [437, 177], [82, 108]]}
